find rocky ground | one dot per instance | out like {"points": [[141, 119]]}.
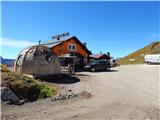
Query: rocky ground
{"points": [[128, 92]]}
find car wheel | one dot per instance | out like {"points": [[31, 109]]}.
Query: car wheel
{"points": [[108, 68], [93, 69]]}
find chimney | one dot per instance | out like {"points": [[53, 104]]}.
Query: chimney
{"points": [[85, 44], [58, 38]]}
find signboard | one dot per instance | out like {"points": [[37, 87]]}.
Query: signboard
{"points": [[60, 35]]}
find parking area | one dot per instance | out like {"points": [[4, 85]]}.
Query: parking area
{"points": [[129, 92]]}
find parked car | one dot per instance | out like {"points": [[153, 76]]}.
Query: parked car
{"points": [[98, 65]]}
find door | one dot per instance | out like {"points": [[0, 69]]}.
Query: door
{"points": [[99, 65], [102, 65]]}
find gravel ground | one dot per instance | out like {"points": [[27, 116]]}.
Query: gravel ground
{"points": [[128, 92]]}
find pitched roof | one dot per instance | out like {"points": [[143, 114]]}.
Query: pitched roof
{"points": [[97, 56], [57, 42], [53, 43]]}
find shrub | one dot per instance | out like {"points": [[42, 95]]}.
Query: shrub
{"points": [[20, 88], [33, 92], [27, 88], [46, 92]]}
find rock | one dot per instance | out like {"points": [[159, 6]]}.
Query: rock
{"points": [[8, 95], [69, 90], [75, 95], [65, 95], [52, 99], [69, 96], [45, 112], [80, 106]]}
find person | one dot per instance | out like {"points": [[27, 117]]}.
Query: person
{"points": [[71, 67], [108, 64]]}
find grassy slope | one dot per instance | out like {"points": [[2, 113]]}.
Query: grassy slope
{"points": [[153, 48]]}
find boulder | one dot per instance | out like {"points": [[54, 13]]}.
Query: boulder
{"points": [[8, 95]]}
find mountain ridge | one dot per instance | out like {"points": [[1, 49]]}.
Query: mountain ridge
{"points": [[8, 62]]}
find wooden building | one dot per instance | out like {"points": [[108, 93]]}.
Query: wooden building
{"points": [[100, 56], [70, 50]]}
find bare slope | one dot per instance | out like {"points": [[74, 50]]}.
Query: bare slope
{"points": [[153, 48]]}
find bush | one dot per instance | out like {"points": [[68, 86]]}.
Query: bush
{"points": [[27, 88], [33, 92], [46, 92]]}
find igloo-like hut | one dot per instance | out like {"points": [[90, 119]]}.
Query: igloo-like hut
{"points": [[38, 61]]}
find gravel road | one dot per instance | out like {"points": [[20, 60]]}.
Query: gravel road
{"points": [[129, 92]]}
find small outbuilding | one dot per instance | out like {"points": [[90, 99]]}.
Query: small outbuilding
{"points": [[99, 57], [37, 60]]}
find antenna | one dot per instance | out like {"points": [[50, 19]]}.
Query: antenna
{"points": [[60, 35], [39, 42]]}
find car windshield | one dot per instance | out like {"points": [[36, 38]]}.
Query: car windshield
{"points": [[93, 62]]}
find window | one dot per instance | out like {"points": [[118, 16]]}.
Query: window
{"points": [[72, 47], [48, 58]]}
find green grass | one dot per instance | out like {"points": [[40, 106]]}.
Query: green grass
{"points": [[153, 48], [25, 87]]}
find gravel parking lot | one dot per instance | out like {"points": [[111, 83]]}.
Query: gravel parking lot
{"points": [[129, 92]]}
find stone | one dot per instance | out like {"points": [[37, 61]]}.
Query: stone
{"points": [[65, 95], [69, 90], [45, 112], [8, 95]]}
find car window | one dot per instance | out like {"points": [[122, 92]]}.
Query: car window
{"points": [[101, 62], [93, 62]]}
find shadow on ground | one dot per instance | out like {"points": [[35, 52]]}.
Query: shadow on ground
{"points": [[105, 71], [65, 79], [112, 71], [79, 74]]}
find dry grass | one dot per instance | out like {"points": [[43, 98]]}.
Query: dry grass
{"points": [[153, 48], [4, 68]]}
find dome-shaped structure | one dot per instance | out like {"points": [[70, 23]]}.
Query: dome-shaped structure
{"points": [[37, 60]]}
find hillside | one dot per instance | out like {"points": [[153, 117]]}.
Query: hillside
{"points": [[137, 57]]}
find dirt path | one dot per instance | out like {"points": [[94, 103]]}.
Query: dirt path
{"points": [[126, 93]]}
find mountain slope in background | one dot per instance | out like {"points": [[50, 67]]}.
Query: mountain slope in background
{"points": [[137, 57], [8, 62]]}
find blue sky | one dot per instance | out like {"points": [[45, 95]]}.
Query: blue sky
{"points": [[117, 27]]}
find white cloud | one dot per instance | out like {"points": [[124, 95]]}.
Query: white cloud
{"points": [[16, 43]]}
